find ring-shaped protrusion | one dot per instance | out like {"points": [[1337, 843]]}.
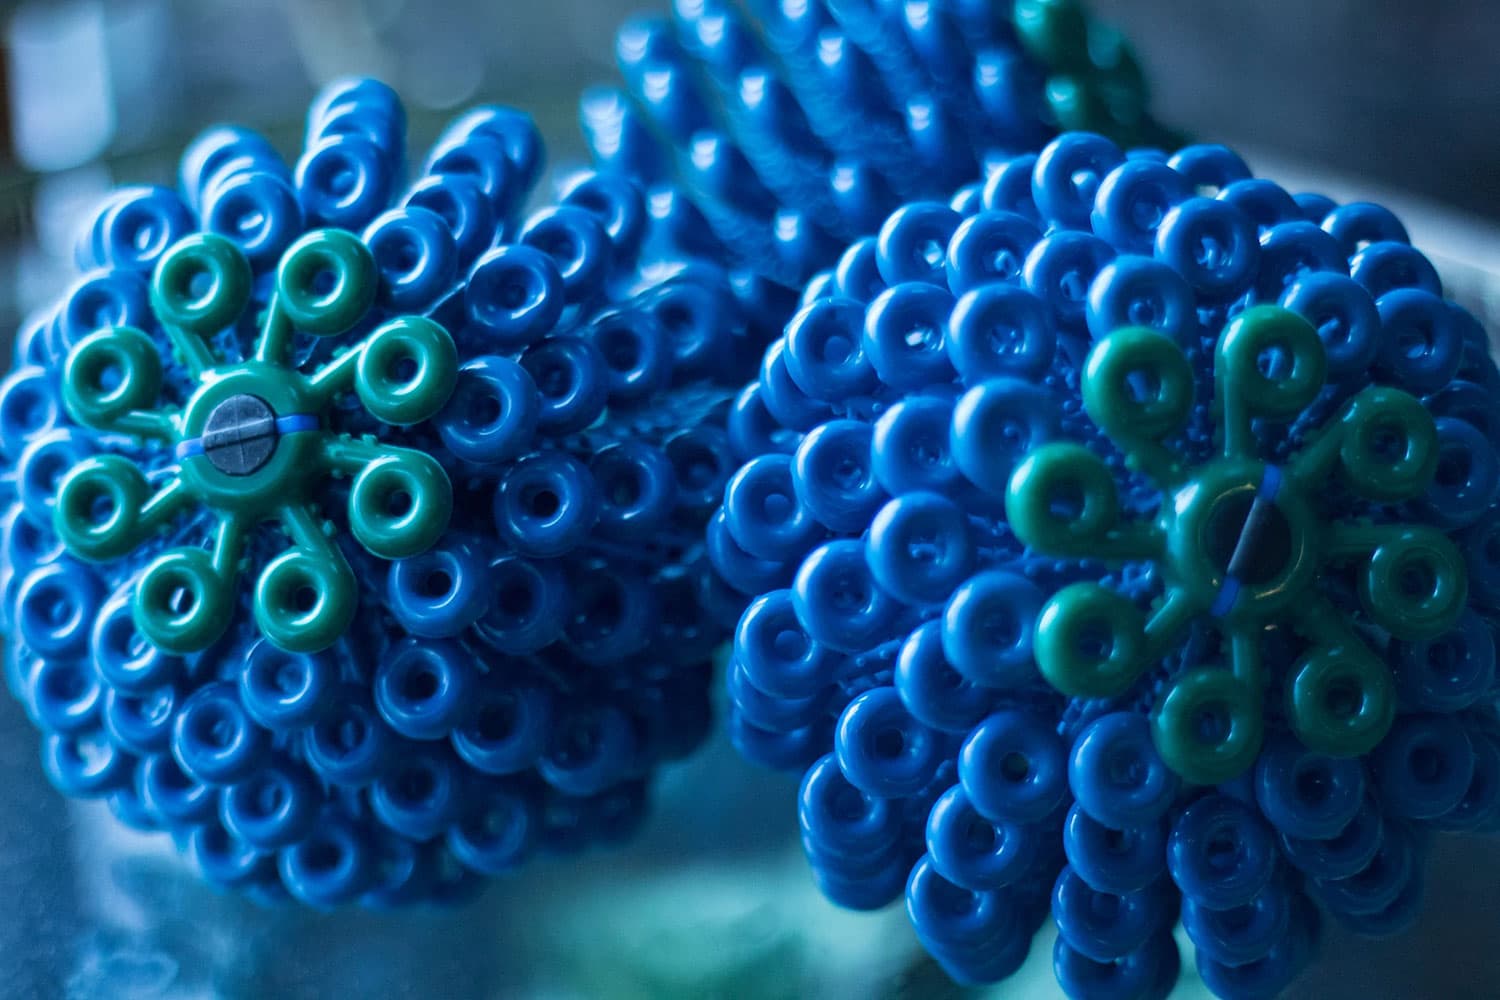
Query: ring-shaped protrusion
{"points": [[987, 629], [974, 852], [415, 256], [1272, 361], [98, 507], [304, 602], [110, 373], [825, 350], [1062, 499], [1209, 726], [1390, 446], [999, 330], [919, 547], [1120, 780], [407, 371], [994, 424], [1307, 794], [882, 750], [1221, 853], [201, 285], [1138, 385], [1416, 585], [1340, 701], [1140, 291], [122, 660], [1451, 672], [400, 504], [841, 822], [326, 282], [1014, 768], [777, 654], [1467, 479], [492, 413], [181, 604], [1212, 244], [1117, 859], [45, 460], [1345, 316], [1089, 641], [29, 405]]}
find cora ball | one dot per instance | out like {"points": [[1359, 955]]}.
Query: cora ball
{"points": [[1119, 543], [774, 134], [354, 536]]}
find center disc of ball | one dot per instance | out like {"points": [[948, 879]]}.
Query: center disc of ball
{"points": [[1250, 539], [240, 435]]}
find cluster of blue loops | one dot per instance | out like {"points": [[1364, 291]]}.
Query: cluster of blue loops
{"points": [[511, 690], [798, 126], [886, 646]]}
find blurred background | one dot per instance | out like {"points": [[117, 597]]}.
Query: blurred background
{"points": [[1388, 94], [1386, 99]]}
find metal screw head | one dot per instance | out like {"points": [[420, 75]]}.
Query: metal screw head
{"points": [[240, 435]]}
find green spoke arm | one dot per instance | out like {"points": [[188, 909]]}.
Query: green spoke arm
{"points": [[350, 455], [1349, 541], [305, 597], [335, 377], [1324, 625], [1168, 622], [167, 502], [1239, 437], [275, 342], [306, 531], [1151, 457], [1132, 541], [193, 351], [1315, 461], [1244, 657], [154, 425], [229, 546]]}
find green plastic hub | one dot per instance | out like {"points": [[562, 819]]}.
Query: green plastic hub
{"points": [[256, 441], [1094, 81], [1240, 543]]}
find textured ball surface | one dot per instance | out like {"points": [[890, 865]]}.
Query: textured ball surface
{"points": [[774, 135], [1115, 543], [355, 531]]}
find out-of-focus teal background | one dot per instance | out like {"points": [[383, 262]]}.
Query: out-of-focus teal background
{"points": [[1390, 99]]}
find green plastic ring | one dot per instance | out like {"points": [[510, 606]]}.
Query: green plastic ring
{"points": [[97, 515], [304, 603], [1088, 641], [87, 394], [1340, 702], [326, 282], [1057, 475], [181, 604], [201, 285], [1208, 728], [1416, 585], [400, 504], [1259, 335], [1390, 446], [407, 371], [1117, 364]]}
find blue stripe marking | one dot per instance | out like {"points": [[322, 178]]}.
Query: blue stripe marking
{"points": [[292, 423], [1270, 483], [1229, 590]]}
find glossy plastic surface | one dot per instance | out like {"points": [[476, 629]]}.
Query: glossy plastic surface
{"points": [[355, 536], [789, 129], [1173, 595]]}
